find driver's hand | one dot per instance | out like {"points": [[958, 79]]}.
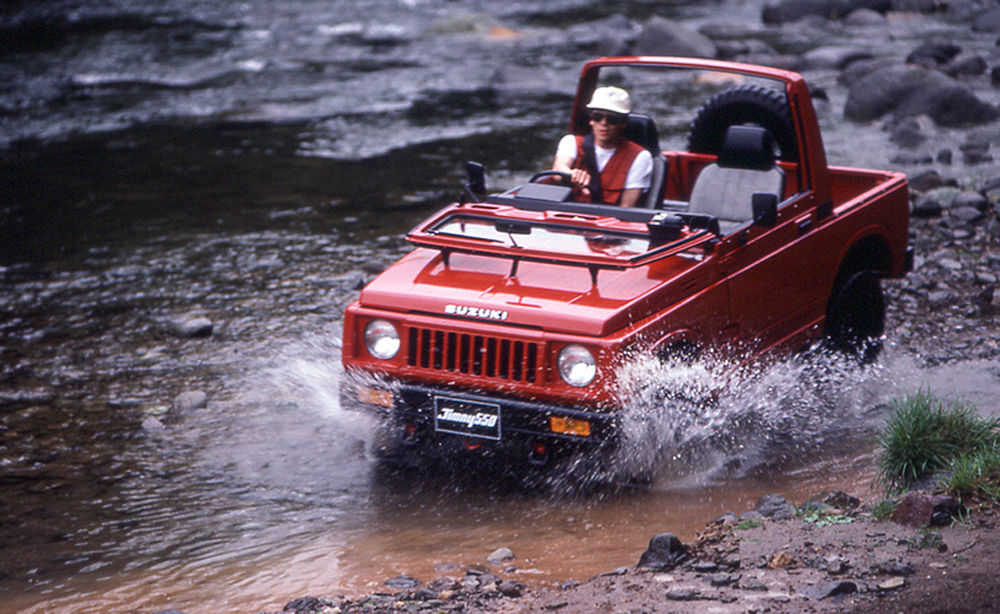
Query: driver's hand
{"points": [[579, 178]]}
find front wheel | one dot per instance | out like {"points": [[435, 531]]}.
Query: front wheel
{"points": [[855, 317]]}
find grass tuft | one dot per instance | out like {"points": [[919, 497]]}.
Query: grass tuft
{"points": [[925, 435]]}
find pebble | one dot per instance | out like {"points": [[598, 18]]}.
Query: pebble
{"points": [[500, 556], [192, 327]]}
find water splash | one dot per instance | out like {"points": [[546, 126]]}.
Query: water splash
{"points": [[704, 421], [311, 375]]}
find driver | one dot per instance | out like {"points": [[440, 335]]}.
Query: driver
{"points": [[604, 166]]}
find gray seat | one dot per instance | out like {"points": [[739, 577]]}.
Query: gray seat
{"points": [[745, 166]]}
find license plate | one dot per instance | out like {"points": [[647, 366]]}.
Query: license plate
{"points": [[470, 418]]}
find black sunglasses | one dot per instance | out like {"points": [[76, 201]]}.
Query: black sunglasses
{"points": [[614, 119]]}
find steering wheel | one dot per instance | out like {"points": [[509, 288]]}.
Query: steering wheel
{"points": [[564, 178]]}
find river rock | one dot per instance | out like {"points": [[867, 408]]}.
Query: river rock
{"points": [[661, 36], [787, 11], [921, 509], [192, 327], [500, 556], [774, 506], [907, 91], [833, 589], [402, 582], [665, 552], [934, 52], [969, 215], [191, 399], [303, 605], [987, 22]]}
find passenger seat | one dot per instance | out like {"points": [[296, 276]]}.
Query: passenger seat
{"points": [[745, 166]]}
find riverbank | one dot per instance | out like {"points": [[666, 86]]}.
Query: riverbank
{"points": [[833, 560]]}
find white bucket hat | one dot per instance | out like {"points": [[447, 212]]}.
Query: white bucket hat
{"points": [[613, 99]]}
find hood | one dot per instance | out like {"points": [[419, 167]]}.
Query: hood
{"points": [[546, 296]]}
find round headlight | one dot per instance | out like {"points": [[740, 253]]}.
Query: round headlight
{"points": [[382, 339], [577, 365]]}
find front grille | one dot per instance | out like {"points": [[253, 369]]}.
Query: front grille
{"points": [[481, 355]]}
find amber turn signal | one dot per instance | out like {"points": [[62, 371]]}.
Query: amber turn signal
{"points": [[569, 426]]}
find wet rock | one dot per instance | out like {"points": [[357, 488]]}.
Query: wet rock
{"points": [[971, 198], [752, 584], [402, 582], [303, 605], [787, 11], [906, 91], [933, 52], [775, 507], [927, 180], [892, 584], [969, 215], [192, 327], [833, 589], [909, 133], [662, 36], [837, 499], [440, 585], [920, 509], [727, 519], [837, 567], [704, 567], [500, 556], [189, 400], [969, 65], [723, 579], [665, 552], [683, 594], [987, 22], [509, 588], [976, 152], [152, 424]]}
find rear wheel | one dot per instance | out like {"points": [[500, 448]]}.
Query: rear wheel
{"points": [[855, 317]]}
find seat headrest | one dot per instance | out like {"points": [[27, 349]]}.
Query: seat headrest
{"points": [[642, 131], [747, 147]]}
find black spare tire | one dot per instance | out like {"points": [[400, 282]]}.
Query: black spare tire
{"points": [[745, 104]]}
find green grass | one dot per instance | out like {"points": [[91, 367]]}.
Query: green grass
{"points": [[925, 435]]}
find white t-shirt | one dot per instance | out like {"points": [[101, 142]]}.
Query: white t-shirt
{"points": [[639, 174]]}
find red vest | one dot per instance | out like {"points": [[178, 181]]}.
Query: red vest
{"points": [[615, 171]]}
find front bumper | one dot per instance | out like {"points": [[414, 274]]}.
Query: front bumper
{"points": [[445, 419]]}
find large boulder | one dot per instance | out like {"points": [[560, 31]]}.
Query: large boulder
{"points": [[908, 91], [920, 509]]}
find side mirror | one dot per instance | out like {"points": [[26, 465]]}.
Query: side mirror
{"points": [[765, 209], [477, 179]]}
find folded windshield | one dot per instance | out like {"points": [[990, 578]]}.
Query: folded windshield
{"points": [[544, 237]]}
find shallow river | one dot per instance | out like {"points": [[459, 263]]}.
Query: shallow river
{"points": [[252, 166]]}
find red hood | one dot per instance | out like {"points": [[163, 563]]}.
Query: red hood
{"points": [[552, 297]]}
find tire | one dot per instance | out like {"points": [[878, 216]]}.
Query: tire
{"points": [[746, 104], [855, 317]]}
